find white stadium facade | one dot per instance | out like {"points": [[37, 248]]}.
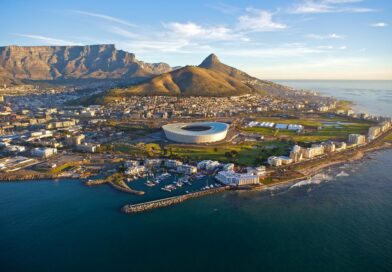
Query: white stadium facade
{"points": [[198, 132]]}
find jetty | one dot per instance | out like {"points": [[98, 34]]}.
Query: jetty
{"points": [[160, 203]]}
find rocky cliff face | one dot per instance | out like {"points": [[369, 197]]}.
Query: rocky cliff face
{"points": [[73, 62]]}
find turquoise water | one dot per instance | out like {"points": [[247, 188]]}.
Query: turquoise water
{"points": [[339, 221]]}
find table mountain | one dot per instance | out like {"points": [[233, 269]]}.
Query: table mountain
{"points": [[58, 63]]}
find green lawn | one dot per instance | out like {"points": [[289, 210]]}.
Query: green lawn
{"points": [[332, 133], [244, 154]]}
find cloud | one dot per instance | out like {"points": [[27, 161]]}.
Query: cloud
{"points": [[192, 30], [123, 32], [328, 6], [379, 24], [225, 8], [292, 50], [258, 20], [48, 40], [105, 17], [325, 37]]}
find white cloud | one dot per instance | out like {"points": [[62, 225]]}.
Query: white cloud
{"points": [[192, 30], [123, 32], [379, 24], [258, 20], [293, 50], [225, 8], [48, 40], [324, 37], [105, 17], [328, 6]]}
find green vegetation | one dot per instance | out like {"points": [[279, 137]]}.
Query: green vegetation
{"points": [[61, 168], [317, 128], [389, 138], [244, 154], [344, 105], [337, 132], [270, 131]]}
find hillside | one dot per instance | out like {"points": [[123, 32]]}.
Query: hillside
{"points": [[60, 63], [210, 78]]}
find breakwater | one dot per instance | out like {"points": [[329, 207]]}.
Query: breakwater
{"points": [[160, 203], [96, 182], [126, 189]]}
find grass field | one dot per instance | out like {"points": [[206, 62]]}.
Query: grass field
{"points": [[325, 128], [244, 154]]}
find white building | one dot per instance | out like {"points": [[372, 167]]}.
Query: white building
{"points": [[172, 163], [43, 152], [208, 165], [135, 170], [373, 132], [187, 169], [259, 171], [356, 139], [153, 163], [236, 179], [15, 148], [228, 167], [274, 161]]}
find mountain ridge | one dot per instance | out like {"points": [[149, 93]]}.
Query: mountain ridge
{"points": [[57, 63]]}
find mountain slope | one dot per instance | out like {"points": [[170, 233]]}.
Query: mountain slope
{"points": [[58, 63], [212, 62], [210, 78]]}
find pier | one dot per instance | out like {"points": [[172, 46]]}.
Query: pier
{"points": [[160, 203]]}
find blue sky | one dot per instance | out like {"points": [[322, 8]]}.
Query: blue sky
{"points": [[304, 39]]}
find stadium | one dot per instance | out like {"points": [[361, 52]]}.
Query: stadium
{"points": [[198, 132]]}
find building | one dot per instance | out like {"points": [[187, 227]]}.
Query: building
{"points": [[186, 169], [340, 146], [208, 165], [61, 124], [228, 167], [373, 132], [15, 148], [87, 147], [315, 150], [43, 152], [329, 147], [199, 132], [172, 163], [75, 140], [135, 170], [236, 179], [296, 154], [259, 171], [131, 163], [356, 139], [274, 161], [152, 163]]}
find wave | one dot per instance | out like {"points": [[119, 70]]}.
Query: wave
{"points": [[316, 179], [342, 174]]}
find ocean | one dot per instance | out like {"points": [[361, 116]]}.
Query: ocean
{"points": [[340, 220]]}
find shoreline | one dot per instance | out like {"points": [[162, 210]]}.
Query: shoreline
{"points": [[360, 155]]}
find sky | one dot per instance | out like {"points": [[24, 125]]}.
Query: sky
{"points": [[280, 39]]}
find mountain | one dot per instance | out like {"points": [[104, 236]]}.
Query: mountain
{"points": [[61, 63], [213, 63], [210, 78]]}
